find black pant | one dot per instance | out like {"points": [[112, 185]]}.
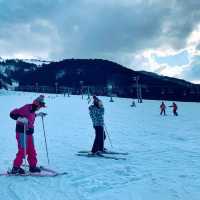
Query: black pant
{"points": [[99, 139], [162, 111], [175, 113]]}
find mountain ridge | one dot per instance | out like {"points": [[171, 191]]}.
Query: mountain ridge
{"points": [[76, 73]]}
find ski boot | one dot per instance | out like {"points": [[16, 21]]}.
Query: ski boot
{"points": [[34, 169], [17, 170]]}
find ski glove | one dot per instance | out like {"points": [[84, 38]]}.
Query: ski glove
{"points": [[23, 120], [41, 114]]}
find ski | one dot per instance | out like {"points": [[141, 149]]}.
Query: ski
{"points": [[45, 172], [100, 156], [52, 171], [34, 174], [43, 168], [47, 169], [107, 152]]}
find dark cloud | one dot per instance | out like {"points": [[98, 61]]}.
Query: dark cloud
{"points": [[91, 28]]}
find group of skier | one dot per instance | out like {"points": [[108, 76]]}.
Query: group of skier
{"points": [[25, 118], [173, 106]]}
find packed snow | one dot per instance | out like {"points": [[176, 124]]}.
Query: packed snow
{"points": [[163, 161]]}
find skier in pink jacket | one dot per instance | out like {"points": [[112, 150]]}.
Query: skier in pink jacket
{"points": [[25, 118]]}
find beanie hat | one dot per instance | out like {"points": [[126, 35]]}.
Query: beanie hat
{"points": [[39, 101]]}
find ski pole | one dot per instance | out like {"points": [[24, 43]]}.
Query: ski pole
{"points": [[45, 140], [25, 147], [108, 135]]}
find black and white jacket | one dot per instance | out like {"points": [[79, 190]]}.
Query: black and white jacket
{"points": [[97, 115]]}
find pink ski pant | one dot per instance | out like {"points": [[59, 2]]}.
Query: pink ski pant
{"points": [[30, 150]]}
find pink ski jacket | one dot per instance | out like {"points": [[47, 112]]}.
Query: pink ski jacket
{"points": [[25, 111]]}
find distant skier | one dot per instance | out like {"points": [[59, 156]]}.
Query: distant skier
{"points": [[96, 112], [25, 118], [162, 108], [175, 108], [133, 104]]}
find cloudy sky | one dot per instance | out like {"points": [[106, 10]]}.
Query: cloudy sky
{"points": [[153, 35]]}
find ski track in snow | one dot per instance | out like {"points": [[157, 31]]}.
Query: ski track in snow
{"points": [[163, 161]]}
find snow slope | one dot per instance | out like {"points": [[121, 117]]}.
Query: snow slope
{"points": [[163, 163]]}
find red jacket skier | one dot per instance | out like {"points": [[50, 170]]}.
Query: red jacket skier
{"points": [[25, 118], [175, 108]]}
